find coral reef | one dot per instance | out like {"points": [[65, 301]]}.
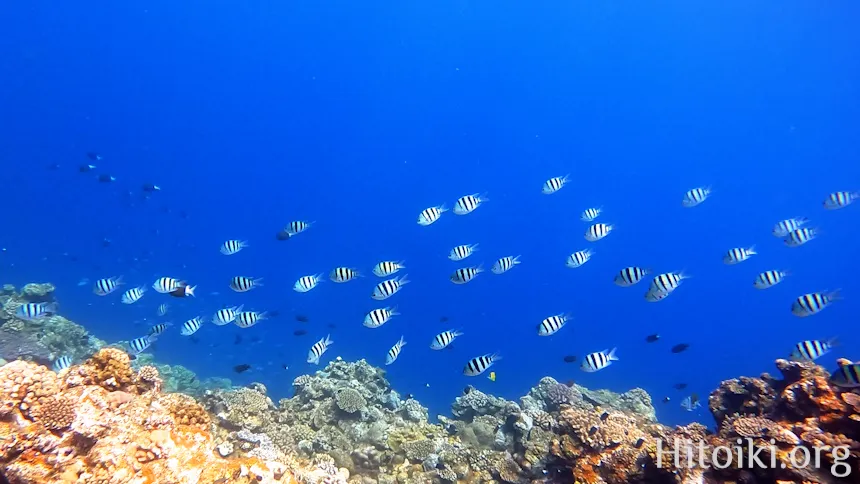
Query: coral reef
{"points": [[114, 420]]}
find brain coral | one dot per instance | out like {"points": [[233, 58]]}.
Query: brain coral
{"points": [[350, 401]]}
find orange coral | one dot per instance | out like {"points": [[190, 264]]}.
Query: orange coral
{"points": [[110, 368]]}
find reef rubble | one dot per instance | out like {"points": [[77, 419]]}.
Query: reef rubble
{"points": [[110, 420]]}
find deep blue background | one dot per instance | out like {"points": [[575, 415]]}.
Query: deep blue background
{"points": [[358, 116]]}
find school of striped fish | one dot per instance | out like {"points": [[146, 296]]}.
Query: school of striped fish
{"points": [[793, 231]]}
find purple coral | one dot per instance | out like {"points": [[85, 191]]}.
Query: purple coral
{"points": [[558, 394]]}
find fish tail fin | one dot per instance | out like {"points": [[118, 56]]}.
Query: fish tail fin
{"points": [[611, 355], [835, 294], [328, 340], [495, 357], [258, 281], [402, 342], [516, 259], [51, 308], [442, 208], [393, 311], [474, 246], [403, 280], [262, 315], [482, 197], [832, 342], [457, 332], [751, 250]]}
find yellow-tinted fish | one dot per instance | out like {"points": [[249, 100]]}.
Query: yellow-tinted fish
{"points": [[492, 376]]}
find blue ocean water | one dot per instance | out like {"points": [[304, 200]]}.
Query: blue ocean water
{"points": [[357, 116]]}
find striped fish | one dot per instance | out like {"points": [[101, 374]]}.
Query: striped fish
{"points": [[578, 258], [246, 319], [230, 247], [846, 376], [695, 196], [31, 311], [343, 274], [133, 295], [838, 200], [138, 345], [598, 360], [191, 326], [166, 285], [630, 275], [798, 237], [394, 352], [738, 254], [480, 364], [105, 286], [467, 204], [380, 316], [554, 184], [430, 215], [159, 328], [667, 282], [444, 339], [811, 350], [388, 288], [306, 283], [243, 284], [462, 251], [62, 363], [162, 309], [505, 264], [387, 268], [465, 274], [597, 232], [297, 227], [769, 279], [589, 214], [226, 315], [552, 324], [318, 349], [783, 227], [691, 403], [813, 303]]}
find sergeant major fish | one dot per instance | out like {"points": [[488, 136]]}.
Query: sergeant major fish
{"points": [[377, 317], [226, 315], [297, 227], [578, 258], [165, 285], [554, 184], [62, 363], [465, 274], [505, 264], [389, 287], [306, 283], [467, 204], [838, 200], [738, 254], [318, 349], [462, 251], [798, 237], [813, 303], [103, 287], [343, 274], [630, 275], [139, 345], [589, 214], [667, 282], [431, 215], [480, 364], [394, 352], [133, 295], [231, 247], [31, 311], [191, 326], [246, 319], [387, 268], [783, 227], [244, 284], [444, 339], [598, 231], [598, 360], [695, 196], [769, 279], [811, 350], [552, 324], [159, 328]]}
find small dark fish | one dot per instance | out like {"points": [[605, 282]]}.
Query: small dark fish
{"points": [[194, 339], [299, 332], [570, 383], [408, 396], [105, 178], [332, 325], [283, 235], [302, 318], [183, 291], [680, 348], [106, 242], [570, 358], [241, 368], [443, 319], [149, 187], [652, 337], [468, 390], [86, 168], [94, 156], [237, 339], [680, 386], [666, 399]]}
